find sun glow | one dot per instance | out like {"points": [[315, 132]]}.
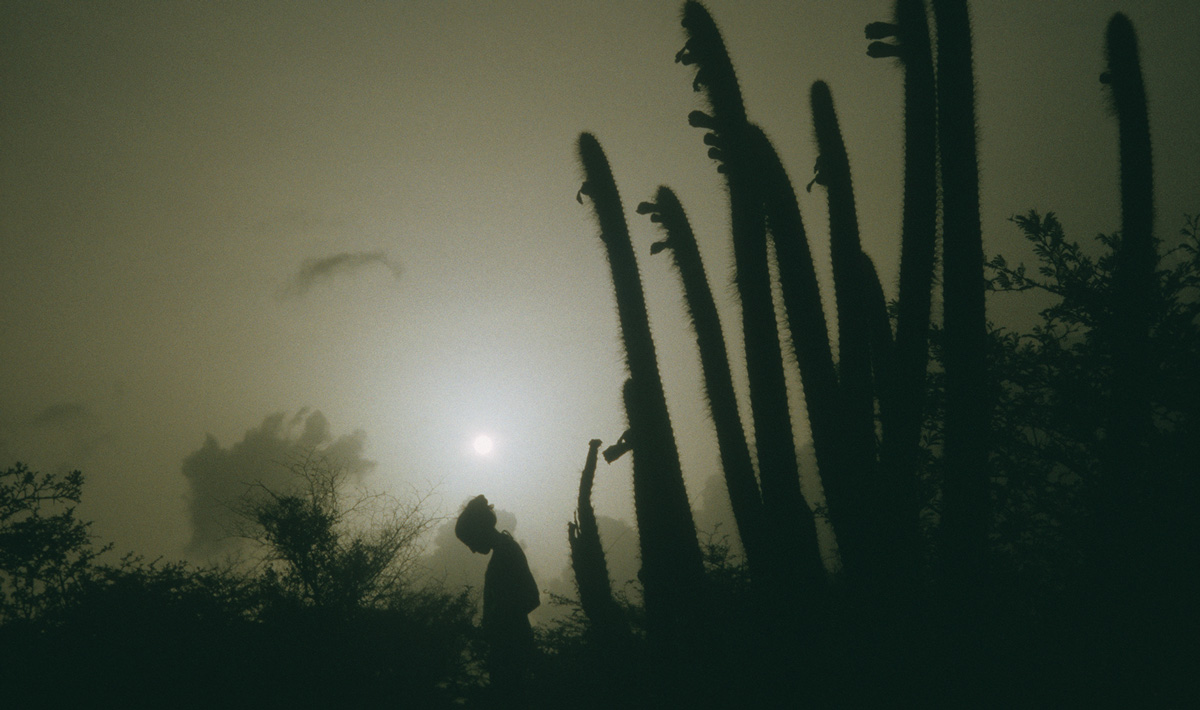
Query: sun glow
{"points": [[483, 445]]}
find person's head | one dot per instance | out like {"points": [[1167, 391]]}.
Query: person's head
{"points": [[476, 525]]}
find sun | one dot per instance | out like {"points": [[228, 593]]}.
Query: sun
{"points": [[483, 444]]}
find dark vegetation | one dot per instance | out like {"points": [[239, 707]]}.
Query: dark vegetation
{"points": [[1013, 508], [322, 613]]}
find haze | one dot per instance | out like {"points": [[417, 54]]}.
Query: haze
{"points": [[354, 224]]}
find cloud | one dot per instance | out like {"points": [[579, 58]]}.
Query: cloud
{"points": [[59, 437], [314, 271], [218, 478], [64, 415]]}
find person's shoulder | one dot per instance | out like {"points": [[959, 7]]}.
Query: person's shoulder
{"points": [[508, 545]]}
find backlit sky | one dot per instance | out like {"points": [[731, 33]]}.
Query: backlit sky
{"points": [[212, 213]]}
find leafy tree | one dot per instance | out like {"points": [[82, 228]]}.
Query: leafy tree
{"points": [[1056, 383], [45, 550], [327, 546], [1108, 558], [330, 618], [339, 599]]}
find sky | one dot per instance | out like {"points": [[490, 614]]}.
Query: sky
{"points": [[231, 230]]}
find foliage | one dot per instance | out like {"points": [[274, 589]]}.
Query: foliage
{"points": [[332, 617], [1054, 384], [324, 545], [45, 550]]}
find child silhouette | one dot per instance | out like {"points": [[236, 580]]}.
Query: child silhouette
{"points": [[509, 594]]}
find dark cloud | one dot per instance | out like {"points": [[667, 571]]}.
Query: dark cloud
{"points": [[218, 478], [62, 416], [59, 437], [314, 271]]}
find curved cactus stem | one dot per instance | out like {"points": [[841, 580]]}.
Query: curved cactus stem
{"points": [[1125, 550], [715, 74], [785, 509], [672, 566], [879, 335], [589, 564], [857, 493], [807, 328], [738, 467]]}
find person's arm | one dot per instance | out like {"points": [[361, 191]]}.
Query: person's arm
{"points": [[525, 590], [531, 596]]}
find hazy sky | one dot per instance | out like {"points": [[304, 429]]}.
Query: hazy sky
{"points": [[219, 219]]}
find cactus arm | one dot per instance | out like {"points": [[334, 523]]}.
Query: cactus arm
{"points": [[589, 564], [672, 565], [1135, 260], [902, 407], [879, 336], [966, 505], [738, 467], [856, 491], [787, 512]]}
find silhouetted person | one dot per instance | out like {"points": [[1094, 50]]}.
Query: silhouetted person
{"points": [[509, 594]]}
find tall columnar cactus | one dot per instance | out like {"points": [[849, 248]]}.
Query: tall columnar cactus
{"points": [[589, 564], [855, 489], [744, 495], [880, 342], [1135, 260], [672, 567], [965, 498], [805, 314], [903, 394], [785, 509]]}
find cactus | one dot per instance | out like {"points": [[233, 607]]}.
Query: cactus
{"points": [[965, 499], [902, 393], [587, 560], [672, 567], [880, 344], [786, 511], [744, 495], [805, 314], [1129, 503], [851, 493], [1135, 260]]}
